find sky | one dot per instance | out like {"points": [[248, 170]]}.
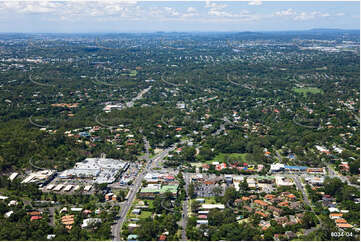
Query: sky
{"points": [[103, 16]]}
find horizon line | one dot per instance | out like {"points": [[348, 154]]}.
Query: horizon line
{"points": [[191, 31]]}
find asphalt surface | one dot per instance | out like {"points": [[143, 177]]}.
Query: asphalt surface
{"points": [[219, 131], [150, 163], [185, 208], [301, 189], [139, 96], [332, 173]]}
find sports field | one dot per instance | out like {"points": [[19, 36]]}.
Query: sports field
{"points": [[306, 90]]}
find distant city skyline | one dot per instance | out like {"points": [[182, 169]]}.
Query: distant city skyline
{"points": [[175, 16]]}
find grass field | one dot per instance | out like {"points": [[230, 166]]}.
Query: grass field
{"points": [[145, 214], [150, 203], [208, 200], [306, 90], [132, 73], [222, 157]]}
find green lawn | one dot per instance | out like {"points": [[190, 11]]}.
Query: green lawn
{"points": [[306, 90], [222, 157], [150, 203], [132, 73], [207, 200], [210, 200], [145, 214]]}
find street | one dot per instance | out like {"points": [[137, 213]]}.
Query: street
{"points": [[185, 208], [150, 163], [301, 189]]}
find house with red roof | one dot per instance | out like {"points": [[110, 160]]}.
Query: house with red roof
{"points": [[35, 218], [221, 166], [162, 237]]}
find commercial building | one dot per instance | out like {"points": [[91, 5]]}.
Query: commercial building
{"points": [[100, 170], [277, 167], [87, 188], [284, 181], [13, 176], [315, 180], [68, 188], [50, 187], [212, 206], [321, 171], [154, 189], [40, 177], [58, 187]]}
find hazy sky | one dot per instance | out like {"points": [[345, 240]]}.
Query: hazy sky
{"points": [[150, 16]]}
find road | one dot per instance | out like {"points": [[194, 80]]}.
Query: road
{"points": [[332, 173], [169, 83], [139, 96], [133, 191], [150, 163], [302, 125], [235, 83], [185, 208], [40, 84], [52, 215], [219, 131], [357, 117], [278, 156], [225, 119], [301, 189]]}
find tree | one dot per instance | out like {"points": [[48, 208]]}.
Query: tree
{"points": [[355, 167], [333, 185], [243, 186], [309, 220], [206, 153], [230, 195], [188, 154], [195, 206], [148, 230], [191, 190], [217, 190]]}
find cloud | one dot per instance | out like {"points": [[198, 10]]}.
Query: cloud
{"points": [[191, 10], [215, 6], [171, 11], [287, 12], [214, 12], [30, 7], [300, 16], [255, 2], [243, 15], [308, 16]]}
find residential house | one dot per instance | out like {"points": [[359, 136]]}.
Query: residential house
{"points": [[283, 204], [262, 214], [275, 211], [33, 218], [335, 215], [281, 220], [248, 208], [269, 197], [290, 235], [261, 203]]}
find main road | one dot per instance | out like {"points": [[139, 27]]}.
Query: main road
{"points": [[300, 188], [332, 173], [150, 163], [185, 209], [138, 97]]}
